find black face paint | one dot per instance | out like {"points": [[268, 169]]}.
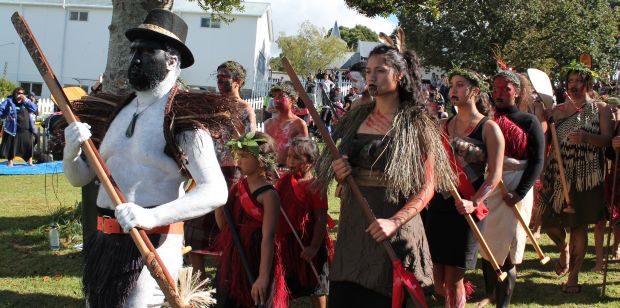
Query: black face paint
{"points": [[373, 90], [148, 65], [224, 85]]}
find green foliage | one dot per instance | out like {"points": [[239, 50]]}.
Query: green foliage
{"points": [[355, 34], [384, 8], [310, 50], [526, 33], [69, 223], [220, 8], [276, 64], [6, 88]]}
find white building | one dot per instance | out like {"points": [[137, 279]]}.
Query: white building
{"points": [[74, 37]]}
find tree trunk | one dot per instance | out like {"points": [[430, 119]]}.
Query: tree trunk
{"points": [[125, 15]]}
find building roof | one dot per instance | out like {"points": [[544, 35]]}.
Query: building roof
{"points": [[365, 47], [184, 6], [67, 3], [336, 31], [249, 8]]}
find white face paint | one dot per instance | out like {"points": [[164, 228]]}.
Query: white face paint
{"points": [[357, 81]]}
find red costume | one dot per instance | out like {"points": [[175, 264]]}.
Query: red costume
{"points": [[298, 200], [233, 288]]}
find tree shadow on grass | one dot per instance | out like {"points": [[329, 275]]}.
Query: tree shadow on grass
{"points": [[25, 251], [12, 299]]}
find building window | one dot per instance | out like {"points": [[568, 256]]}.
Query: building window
{"points": [[262, 63], [81, 16], [35, 87], [208, 22]]}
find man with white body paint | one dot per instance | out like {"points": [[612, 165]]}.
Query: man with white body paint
{"points": [[358, 82], [151, 180]]}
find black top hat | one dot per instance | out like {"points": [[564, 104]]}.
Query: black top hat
{"points": [[163, 25]]}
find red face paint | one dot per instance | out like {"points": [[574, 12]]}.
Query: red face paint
{"points": [[282, 101], [504, 92]]}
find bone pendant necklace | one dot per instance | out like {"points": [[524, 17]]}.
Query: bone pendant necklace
{"points": [[134, 119]]}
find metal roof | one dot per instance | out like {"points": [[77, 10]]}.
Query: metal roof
{"points": [[183, 6]]}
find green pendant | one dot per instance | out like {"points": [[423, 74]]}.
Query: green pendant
{"points": [[132, 125]]}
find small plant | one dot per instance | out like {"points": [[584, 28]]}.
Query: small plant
{"points": [[69, 223]]}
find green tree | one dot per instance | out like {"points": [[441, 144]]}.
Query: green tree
{"points": [[358, 33], [276, 64], [384, 8], [6, 88], [310, 50], [526, 33]]}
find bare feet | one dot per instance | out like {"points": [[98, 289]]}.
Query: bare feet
{"points": [[598, 267], [30, 161], [561, 265], [10, 163], [485, 301], [537, 235], [615, 253]]}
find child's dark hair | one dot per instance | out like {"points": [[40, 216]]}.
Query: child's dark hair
{"points": [[306, 147], [266, 155]]}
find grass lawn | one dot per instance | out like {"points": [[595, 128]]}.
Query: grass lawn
{"points": [[33, 276]]}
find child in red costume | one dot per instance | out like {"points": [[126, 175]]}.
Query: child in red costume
{"points": [[306, 208], [255, 207]]}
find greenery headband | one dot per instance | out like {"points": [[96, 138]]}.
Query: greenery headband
{"points": [[470, 75], [577, 67], [236, 70], [512, 77], [285, 88], [251, 144]]}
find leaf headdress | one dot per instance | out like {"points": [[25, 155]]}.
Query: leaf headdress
{"points": [[252, 143], [576, 66]]}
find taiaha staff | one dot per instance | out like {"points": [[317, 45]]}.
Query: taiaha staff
{"points": [[542, 85], [297, 238], [357, 194], [613, 196], [237, 242], [146, 248], [501, 276], [541, 255], [558, 157]]}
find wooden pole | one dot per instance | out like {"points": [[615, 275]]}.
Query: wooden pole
{"points": [[558, 158], [501, 276], [146, 248], [613, 195], [541, 255], [329, 142]]}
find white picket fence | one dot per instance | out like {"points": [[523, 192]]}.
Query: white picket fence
{"points": [[46, 105], [45, 108]]}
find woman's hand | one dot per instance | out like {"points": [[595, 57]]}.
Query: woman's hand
{"points": [[259, 290], [341, 168], [308, 253], [382, 229], [578, 137], [465, 206]]}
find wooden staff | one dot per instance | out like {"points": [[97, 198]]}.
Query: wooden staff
{"points": [[558, 157], [501, 276], [542, 85], [237, 242], [613, 196], [541, 255], [357, 193], [301, 244], [146, 248]]}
